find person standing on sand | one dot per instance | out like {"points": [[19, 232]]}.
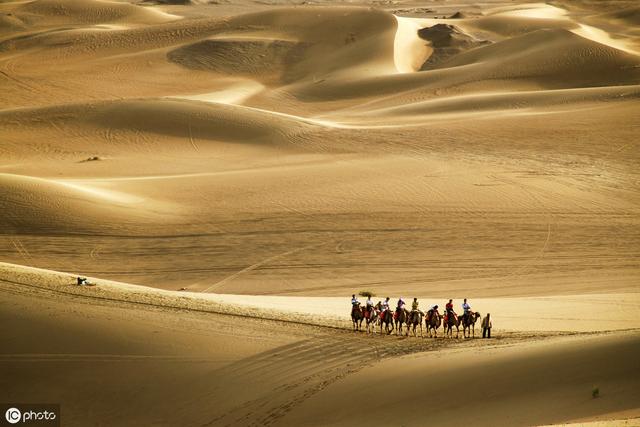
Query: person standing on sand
{"points": [[486, 326]]}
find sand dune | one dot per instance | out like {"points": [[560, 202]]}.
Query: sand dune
{"points": [[181, 118], [629, 15], [88, 12], [229, 173], [508, 103], [536, 384], [446, 41], [76, 209], [574, 59], [338, 40], [285, 372], [262, 59]]}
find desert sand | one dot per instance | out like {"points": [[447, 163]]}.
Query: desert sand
{"points": [[229, 173]]}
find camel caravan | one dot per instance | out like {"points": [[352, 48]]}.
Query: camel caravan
{"points": [[404, 321]]}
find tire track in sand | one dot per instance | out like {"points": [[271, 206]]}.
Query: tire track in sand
{"points": [[260, 264]]}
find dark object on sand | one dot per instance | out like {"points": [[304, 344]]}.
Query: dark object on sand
{"points": [[82, 281]]}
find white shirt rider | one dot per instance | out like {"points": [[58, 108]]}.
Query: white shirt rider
{"points": [[466, 307]]}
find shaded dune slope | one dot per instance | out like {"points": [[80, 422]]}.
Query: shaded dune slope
{"points": [[266, 60], [554, 58], [35, 205], [171, 117], [500, 26], [446, 41], [74, 12], [547, 59], [504, 101], [535, 385], [296, 44]]}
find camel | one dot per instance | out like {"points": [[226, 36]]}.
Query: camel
{"points": [[400, 319], [386, 318], [469, 323], [371, 319], [451, 321], [433, 321], [414, 319], [356, 317]]}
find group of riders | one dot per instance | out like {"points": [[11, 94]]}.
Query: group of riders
{"points": [[382, 310]]}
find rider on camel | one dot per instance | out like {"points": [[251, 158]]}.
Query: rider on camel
{"points": [[415, 309], [449, 309], [355, 304], [467, 309], [354, 301], [433, 310], [399, 308], [369, 305]]}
